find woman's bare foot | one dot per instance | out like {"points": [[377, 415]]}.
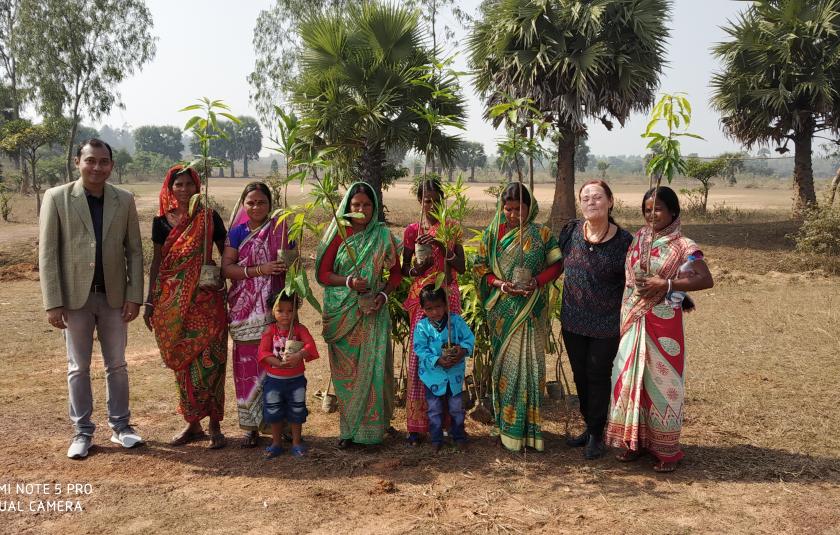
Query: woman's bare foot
{"points": [[664, 467], [190, 433]]}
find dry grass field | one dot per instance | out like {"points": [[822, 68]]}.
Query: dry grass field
{"points": [[761, 430]]}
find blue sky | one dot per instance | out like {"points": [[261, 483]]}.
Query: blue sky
{"points": [[187, 67]]}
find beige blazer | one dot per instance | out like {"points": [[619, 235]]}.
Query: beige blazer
{"points": [[67, 247]]}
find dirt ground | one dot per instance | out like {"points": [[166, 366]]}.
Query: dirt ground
{"points": [[760, 435]]}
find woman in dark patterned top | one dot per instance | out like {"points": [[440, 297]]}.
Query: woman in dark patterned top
{"points": [[594, 252]]}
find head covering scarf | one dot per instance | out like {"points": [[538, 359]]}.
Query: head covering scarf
{"points": [[167, 199]]}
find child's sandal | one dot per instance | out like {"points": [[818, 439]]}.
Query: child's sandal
{"points": [[298, 451], [273, 451]]}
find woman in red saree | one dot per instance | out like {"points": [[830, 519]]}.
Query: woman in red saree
{"points": [[189, 321], [646, 409], [429, 192]]}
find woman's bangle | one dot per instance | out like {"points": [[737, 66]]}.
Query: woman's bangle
{"points": [[502, 288], [259, 271], [148, 304], [348, 280], [669, 287], [246, 273], [383, 294]]}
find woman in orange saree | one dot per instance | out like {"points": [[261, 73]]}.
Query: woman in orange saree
{"points": [[189, 321]]}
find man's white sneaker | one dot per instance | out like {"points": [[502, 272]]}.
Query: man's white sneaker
{"points": [[79, 447], [126, 437]]}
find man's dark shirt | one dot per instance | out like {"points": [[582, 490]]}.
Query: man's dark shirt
{"points": [[97, 207]]}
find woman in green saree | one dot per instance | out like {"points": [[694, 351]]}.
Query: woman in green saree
{"points": [[357, 334], [518, 315]]}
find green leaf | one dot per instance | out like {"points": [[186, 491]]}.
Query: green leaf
{"points": [[439, 280], [193, 120], [193, 203], [232, 118]]}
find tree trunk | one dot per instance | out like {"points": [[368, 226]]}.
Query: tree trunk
{"points": [[371, 164], [245, 167], [451, 176], [705, 197], [222, 172], [69, 164], [232, 169], [803, 172], [24, 177], [563, 207], [472, 173], [36, 187], [531, 161], [832, 190]]}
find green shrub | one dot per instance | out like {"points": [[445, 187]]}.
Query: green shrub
{"points": [[820, 232], [5, 201]]}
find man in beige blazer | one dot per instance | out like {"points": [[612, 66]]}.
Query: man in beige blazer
{"points": [[91, 270]]}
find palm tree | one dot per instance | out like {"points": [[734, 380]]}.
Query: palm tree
{"points": [[364, 85], [780, 80], [575, 60]]}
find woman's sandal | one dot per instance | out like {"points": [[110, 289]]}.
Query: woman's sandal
{"points": [[217, 441], [273, 451], [664, 467], [186, 437], [628, 456], [250, 440], [298, 451]]}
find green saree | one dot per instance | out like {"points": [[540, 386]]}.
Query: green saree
{"points": [[361, 362], [518, 326]]}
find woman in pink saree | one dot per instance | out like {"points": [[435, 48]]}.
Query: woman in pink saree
{"points": [[250, 262]]}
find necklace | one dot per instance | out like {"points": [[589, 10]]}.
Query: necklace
{"points": [[590, 239], [258, 225]]}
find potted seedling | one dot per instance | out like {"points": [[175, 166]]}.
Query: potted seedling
{"points": [[667, 160], [439, 79], [206, 129], [290, 146], [520, 116], [450, 212], [479, 382]]}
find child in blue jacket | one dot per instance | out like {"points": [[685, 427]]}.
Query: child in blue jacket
{"points": [[442, 376]]}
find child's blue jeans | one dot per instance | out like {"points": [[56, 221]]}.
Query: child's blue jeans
{"points": [[456, 414]]}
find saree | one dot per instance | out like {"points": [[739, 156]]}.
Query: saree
{"points": [[518, 326], [646, 408], [417, 419], [189, 322], [249, 314], [361, 361]]}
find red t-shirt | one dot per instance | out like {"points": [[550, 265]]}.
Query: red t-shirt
{"points": [[273, 338]]}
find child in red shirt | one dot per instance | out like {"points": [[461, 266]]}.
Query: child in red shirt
{"points": [[284, 389]]}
